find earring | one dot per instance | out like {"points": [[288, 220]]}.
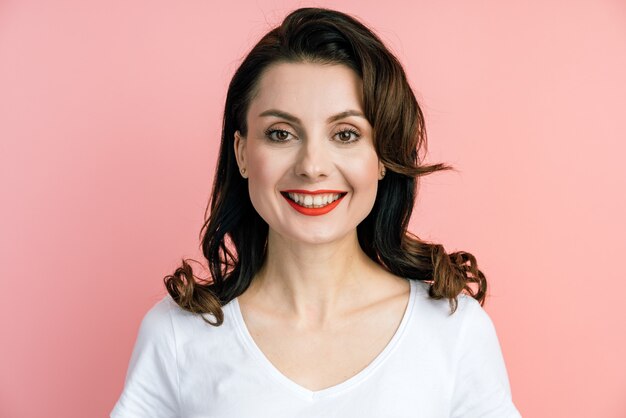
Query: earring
{"points": [[243, 171], [382, 173]]}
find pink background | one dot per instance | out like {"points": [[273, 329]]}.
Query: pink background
{"points": [[110, 115]]}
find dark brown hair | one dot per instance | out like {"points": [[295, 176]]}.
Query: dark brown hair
{"points": [[235, 236]]}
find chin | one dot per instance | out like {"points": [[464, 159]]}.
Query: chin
{"points": [[321, 238]]}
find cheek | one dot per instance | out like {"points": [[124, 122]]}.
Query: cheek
{"points": [[363, 173], [264, 167], [264, 173]]}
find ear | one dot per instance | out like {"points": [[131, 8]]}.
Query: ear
{"points": [[240, 150]]}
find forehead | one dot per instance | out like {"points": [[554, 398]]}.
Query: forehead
{"points": [[308, 88]]}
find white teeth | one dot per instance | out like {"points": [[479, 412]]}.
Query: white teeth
{"points": [[314, 201]]}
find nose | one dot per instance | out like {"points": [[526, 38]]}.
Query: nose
{"points": [[314, 160]]}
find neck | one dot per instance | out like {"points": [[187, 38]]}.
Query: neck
{"points": [[313, 283]]}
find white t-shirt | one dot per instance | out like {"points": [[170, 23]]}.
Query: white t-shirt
{"points": [[435, 365]]}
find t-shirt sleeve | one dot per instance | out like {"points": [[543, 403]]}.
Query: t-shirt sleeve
{"points": [[151, 385], [481, 386]]}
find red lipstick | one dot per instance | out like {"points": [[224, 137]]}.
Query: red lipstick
{"points": [[313, 211]]}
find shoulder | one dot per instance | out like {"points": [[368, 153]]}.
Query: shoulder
{"points": [[467, 306], [433, 317], [165, 313], [151, 384], [159, 314], [466, 341], [160, 309], [167, 323], [156, 325]]}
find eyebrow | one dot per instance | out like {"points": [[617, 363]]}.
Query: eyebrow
{"points": [[292, 118]]}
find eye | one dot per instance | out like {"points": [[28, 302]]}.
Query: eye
{"points": [[281, 135], [345, 136]]}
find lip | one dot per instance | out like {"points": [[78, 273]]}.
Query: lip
{"points": [[300, 191], [313, 211]]}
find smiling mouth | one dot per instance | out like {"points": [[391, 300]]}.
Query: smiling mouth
{"points": [[313, 201]]}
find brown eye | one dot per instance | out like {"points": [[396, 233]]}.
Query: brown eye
{"points": [[277, 135], [346, 136]]}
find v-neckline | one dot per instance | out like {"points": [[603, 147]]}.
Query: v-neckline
{"points": [[254, 349]]}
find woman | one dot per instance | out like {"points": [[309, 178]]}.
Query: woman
{"points": [[321, 303]]}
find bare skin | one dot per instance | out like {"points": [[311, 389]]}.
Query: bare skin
{"points": [[319, 309], [317, 356]]}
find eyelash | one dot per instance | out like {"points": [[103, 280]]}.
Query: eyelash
{"points": [[357, 136]]}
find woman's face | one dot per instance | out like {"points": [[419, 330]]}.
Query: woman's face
{"points": [[308, 143]]}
